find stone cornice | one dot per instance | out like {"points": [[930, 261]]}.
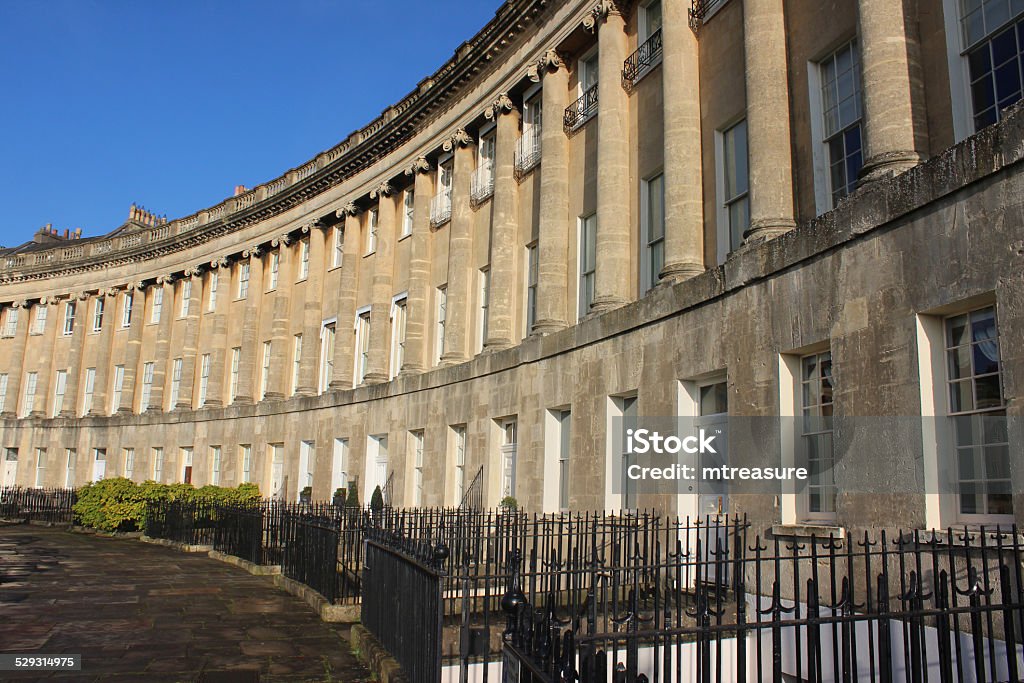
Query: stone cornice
{"points": [[396, 126]]}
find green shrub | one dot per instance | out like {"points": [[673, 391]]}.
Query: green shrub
{"points": [[377, 499], [509, 503], [353, 498], [120, 505]]}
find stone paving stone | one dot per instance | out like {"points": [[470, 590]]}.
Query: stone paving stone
{"points": [[138, 612]]}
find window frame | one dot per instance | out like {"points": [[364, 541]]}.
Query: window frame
{"points": [[724, 228], [649, 279]]}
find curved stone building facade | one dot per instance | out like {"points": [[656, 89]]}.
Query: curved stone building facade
{"points": [[590, 210]]}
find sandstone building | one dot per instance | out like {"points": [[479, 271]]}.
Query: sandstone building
{"points": [[743, 207]]}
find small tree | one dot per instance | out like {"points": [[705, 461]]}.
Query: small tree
{"points": [[377, 500], [353, 498], [509, 503]]}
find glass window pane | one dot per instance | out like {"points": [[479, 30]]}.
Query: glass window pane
{"points": [[961, 397], [987, 393]]}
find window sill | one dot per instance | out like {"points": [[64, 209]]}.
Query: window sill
{"points": [[405, 236], [807, 529], [301, 280], [369, 253]]}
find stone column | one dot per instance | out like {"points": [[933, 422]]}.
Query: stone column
{"points": [[49, 351], [215, 393], [133, 354], [893, 126], [460, 250], [252, 348], [190, 350], [611, 280], [684, 202], [771, 160], [343, 337], [73, 362], [380, 293], [504, 227], [418, 313], [312, 312], [74, 356], [16, 362], [553, 227], [104, 357], [281, 343]]}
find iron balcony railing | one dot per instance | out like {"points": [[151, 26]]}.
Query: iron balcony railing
{"points": [[481, 186], [441, 207], [639, 64], [527, 151], [473, 498], [580, 111], [701, 9]]}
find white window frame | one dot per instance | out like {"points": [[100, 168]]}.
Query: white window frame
{"points": [[458, 450], [581, 283], [723, 227], [41, 313], [408, 211], [29, 402], [3, 391], [245, 468], [338, 247], [508, 456], [70, 458], [416, 438], [11, 316], [186, 297], [204, 378], [69, 318], [440, 320], [98, 307], [40, 467], [303, 259], [648, 279], [148, 370], [236, 361], [156, 310], [265, 368], [117, 388], [88, 390], [483, 304], [361, 328], [129, 462], [211, 298], [175, 394], [328, 341], [275, 270], [339, 465], [296, 363], [158, 464], [215, 465], [585, 70], [127, 300], [243, 280], [399, 318], [531, 286], [372, 228], [60, 386]]}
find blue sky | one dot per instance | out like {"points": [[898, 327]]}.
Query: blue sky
{"points": [[172, 104]]}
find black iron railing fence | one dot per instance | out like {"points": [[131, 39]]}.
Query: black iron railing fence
{"points": [[186, 522], [310, 552], [913, 607], [53, 506], [402, 602]]}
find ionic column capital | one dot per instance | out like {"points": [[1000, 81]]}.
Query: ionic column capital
{"points": [[193, 271], [459, 139], [602, 10], [551, 61], [252, 252], [165, 279], [111, 292], [350, 209], [19, 304], [382, 190], [502, 105], [421, 165], [281, 241]]}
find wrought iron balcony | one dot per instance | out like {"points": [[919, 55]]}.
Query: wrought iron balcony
{"points": [[527, 151], [441, 207], [481, 186], [700, 10], [639, 64], [580, 111]]}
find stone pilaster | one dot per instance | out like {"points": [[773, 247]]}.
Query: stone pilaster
{"points": [[460, 250], [553, 227], [343, 337], [771, 159], [163, 370], [281, 343], [894, 129], [684, 203], [380, 288], [418, 314], [133, 354], [252, 347], [312, 312], [16, 363], [612, 280], [504, 227], [218, 334], [190, 350]]}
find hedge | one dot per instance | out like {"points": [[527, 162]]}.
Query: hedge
{"points": [[120, 505]]}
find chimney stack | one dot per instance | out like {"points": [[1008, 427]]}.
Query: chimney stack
{"points": [[240, 189]]}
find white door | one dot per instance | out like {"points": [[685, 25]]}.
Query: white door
{"points": [[10, 467], [508, 459], [277, 472], [99, 464]]}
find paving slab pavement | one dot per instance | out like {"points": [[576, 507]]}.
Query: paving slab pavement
{"points": [[147, 613]]}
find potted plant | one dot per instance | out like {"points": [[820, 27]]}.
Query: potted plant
{"points": [[339, 498], [306, 495], [377, 500], [508, 504]]}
